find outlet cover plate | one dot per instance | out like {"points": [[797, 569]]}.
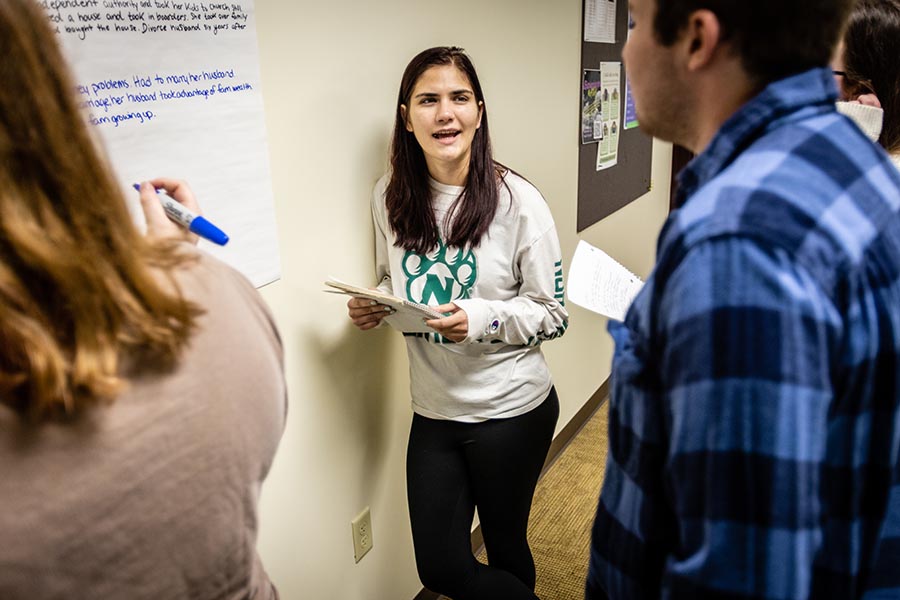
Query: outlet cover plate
{"points": [[361, 527]]}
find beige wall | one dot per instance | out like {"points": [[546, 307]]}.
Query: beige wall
{"points": [[330, 73]]}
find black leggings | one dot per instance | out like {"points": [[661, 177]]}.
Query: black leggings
{"points": [[453, 467]]}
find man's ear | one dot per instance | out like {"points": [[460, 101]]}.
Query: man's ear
{"points": [[701, 39], [405, 114]]}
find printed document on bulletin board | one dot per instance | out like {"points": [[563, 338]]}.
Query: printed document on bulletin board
{"points": [[600, 21], [630, 113], [631, 120], [173, 89], [608, 148], [591, 104]]}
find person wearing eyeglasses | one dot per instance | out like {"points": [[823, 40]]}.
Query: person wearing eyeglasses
{"points": [[867, 72]]}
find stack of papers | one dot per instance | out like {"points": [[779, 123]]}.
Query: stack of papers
{"points": [[408, 316]]}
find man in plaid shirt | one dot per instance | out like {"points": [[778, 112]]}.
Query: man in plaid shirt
{"points": [[755, 409]]}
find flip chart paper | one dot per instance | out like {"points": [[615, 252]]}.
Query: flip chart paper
{"points": [[173, 89]]}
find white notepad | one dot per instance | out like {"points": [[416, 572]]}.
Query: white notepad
{"points": [[408, 316], [598, 283]]}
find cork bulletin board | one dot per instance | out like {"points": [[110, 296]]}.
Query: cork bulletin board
{"points": [[601, 193]]}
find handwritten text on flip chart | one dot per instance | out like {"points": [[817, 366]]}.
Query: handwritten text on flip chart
{"points": [[136, 98], [173, 88], [89, 17]]}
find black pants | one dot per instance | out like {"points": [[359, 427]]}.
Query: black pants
{"points": [[453, 467]]}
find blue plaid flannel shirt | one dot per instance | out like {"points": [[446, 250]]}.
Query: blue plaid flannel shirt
{"points": [[755, 409]]}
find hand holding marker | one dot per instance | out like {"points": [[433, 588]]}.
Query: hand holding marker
{"points": [[180, 214]]}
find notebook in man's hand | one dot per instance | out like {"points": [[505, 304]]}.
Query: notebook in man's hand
{"points": [[408, 316]]}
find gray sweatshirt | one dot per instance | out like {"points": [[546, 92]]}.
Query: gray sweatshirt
{"points": [[511, 288]]}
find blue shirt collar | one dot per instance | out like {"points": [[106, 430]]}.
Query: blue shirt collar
{"points": [[782, 97]]}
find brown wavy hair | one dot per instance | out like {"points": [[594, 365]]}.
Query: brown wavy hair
{"points": [[408, 195], [872, 61], [80, 287]]}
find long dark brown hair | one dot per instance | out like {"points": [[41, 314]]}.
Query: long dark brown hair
{"points": [[872, 61], [408, 194], [80, 287]]}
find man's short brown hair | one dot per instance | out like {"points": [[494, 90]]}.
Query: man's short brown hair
{"points": [[775, 38]]}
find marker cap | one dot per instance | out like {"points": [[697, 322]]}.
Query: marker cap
{"points": [[207, 230]]}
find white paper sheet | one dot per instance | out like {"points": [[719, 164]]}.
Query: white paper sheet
{"points": [[173, 89], [599, 283], [600, 21]]}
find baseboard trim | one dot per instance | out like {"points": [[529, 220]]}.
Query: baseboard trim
{"points": [[557, 446]]}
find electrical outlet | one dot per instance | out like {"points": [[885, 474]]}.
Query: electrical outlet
{"points": [[361, 526]]}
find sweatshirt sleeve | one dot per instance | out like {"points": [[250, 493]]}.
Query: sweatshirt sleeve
{"points": [[537, 313]]}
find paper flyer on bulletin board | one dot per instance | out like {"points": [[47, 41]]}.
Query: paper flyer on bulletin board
{"points": [[591, 104], [631, 120], [600, 21], [173, 89], [608, 148]]}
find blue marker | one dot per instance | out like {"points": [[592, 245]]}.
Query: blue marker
{"points": [[177, 212]]}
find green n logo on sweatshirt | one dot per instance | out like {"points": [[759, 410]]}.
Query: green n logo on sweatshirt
{"points": [[440, 276]]}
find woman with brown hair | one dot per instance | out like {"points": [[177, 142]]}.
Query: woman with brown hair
{"points": [[457, 230], [134, 433], [867, 68]]}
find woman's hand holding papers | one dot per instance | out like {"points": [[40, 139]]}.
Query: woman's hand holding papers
{"points": [[367, 314], [455, 326]]}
